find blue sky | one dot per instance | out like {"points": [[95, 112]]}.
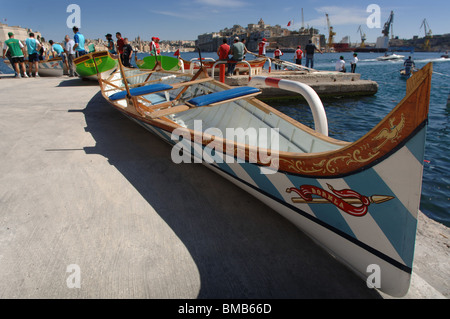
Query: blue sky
{"points": [[185, 20]]}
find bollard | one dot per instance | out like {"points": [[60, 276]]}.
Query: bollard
{"points": [[222, 73]]}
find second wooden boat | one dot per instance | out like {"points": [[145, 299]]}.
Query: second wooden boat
{"points": [[90, 65], [51, 67]]}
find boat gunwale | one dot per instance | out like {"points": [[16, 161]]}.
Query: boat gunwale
{"points": [[292, 163], [92, 55]]}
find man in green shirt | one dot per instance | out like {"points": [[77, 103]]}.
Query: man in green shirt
{"points": [[15, 47], [237, 52]]}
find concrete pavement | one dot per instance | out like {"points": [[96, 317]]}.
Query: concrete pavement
{"points": [[85, 191]]}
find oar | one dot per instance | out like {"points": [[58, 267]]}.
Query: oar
{"points": [[122, 72], [282, 62]]}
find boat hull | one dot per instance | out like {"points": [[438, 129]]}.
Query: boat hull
{"points": [[167, 63], [89, 65], [393, 57], [53, 67], [348, 238]]}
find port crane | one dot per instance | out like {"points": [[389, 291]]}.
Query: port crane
{"points": [[428, 34], [363, 37], [388, 25], [331, 33]]}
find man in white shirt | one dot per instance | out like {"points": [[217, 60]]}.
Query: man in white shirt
{"points": [[68, 48], [340, 65], [354, 62]]}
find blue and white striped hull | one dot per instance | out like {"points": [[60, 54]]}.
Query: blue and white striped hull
{"points": [[358, 242]]}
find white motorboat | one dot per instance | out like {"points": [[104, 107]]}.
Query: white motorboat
{"points": [[390, 57]]}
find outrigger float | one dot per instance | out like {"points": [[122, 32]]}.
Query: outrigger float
{"points": [[360, 200]]}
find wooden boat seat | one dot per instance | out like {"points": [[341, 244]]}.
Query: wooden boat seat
{"points": [[143, 90], [155, 88], [223, 96], [208, 100]]}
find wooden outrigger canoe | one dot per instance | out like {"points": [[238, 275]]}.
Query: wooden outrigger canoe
{"points": [[257, 63], [174, 64], [104, 64], [51, 67], [359, 200]]}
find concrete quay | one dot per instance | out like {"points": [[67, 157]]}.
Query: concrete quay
{"points": [[326, 83], [83, 186]]}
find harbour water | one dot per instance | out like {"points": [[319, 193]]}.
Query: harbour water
{"points": [[351, 118]]}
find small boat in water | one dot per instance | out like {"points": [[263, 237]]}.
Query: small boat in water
{"points": [[359, 200], [407, 75], [51, 67], [390, 57], [90, 65]]}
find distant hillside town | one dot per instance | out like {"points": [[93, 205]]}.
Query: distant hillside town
{"points": [[254, 33]]}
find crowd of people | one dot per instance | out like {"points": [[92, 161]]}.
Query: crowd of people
{"points": [[35, 50], [236, 53]]}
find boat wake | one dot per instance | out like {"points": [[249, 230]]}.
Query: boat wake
{"points": [[433, 60]]}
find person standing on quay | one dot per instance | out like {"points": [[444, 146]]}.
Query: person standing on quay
{"points": [[68, 48], [277, 54], [127, 53], [354, 62], [79, 43], [310, 50], [33, 47], [16, 49], [119, 45], [298, 55], [262, 47], [154, 47], [111, 46]]}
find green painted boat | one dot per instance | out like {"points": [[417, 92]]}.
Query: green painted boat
{"points": [[167, 63], [105, 63]]}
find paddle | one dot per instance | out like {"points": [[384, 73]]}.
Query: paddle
{"points": [[122, 72], [282, 62]]}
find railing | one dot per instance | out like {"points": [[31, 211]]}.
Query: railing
{"points": [[226, 62], [314, 102], [196, 61]]}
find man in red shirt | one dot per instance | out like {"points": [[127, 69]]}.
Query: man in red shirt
{"points": [[224, 51], [262, 47], [277, 54], [298, 55], [120, 45]]}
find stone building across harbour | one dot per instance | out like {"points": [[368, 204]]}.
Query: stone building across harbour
{"points": [[19, 32], [253, 34]]}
